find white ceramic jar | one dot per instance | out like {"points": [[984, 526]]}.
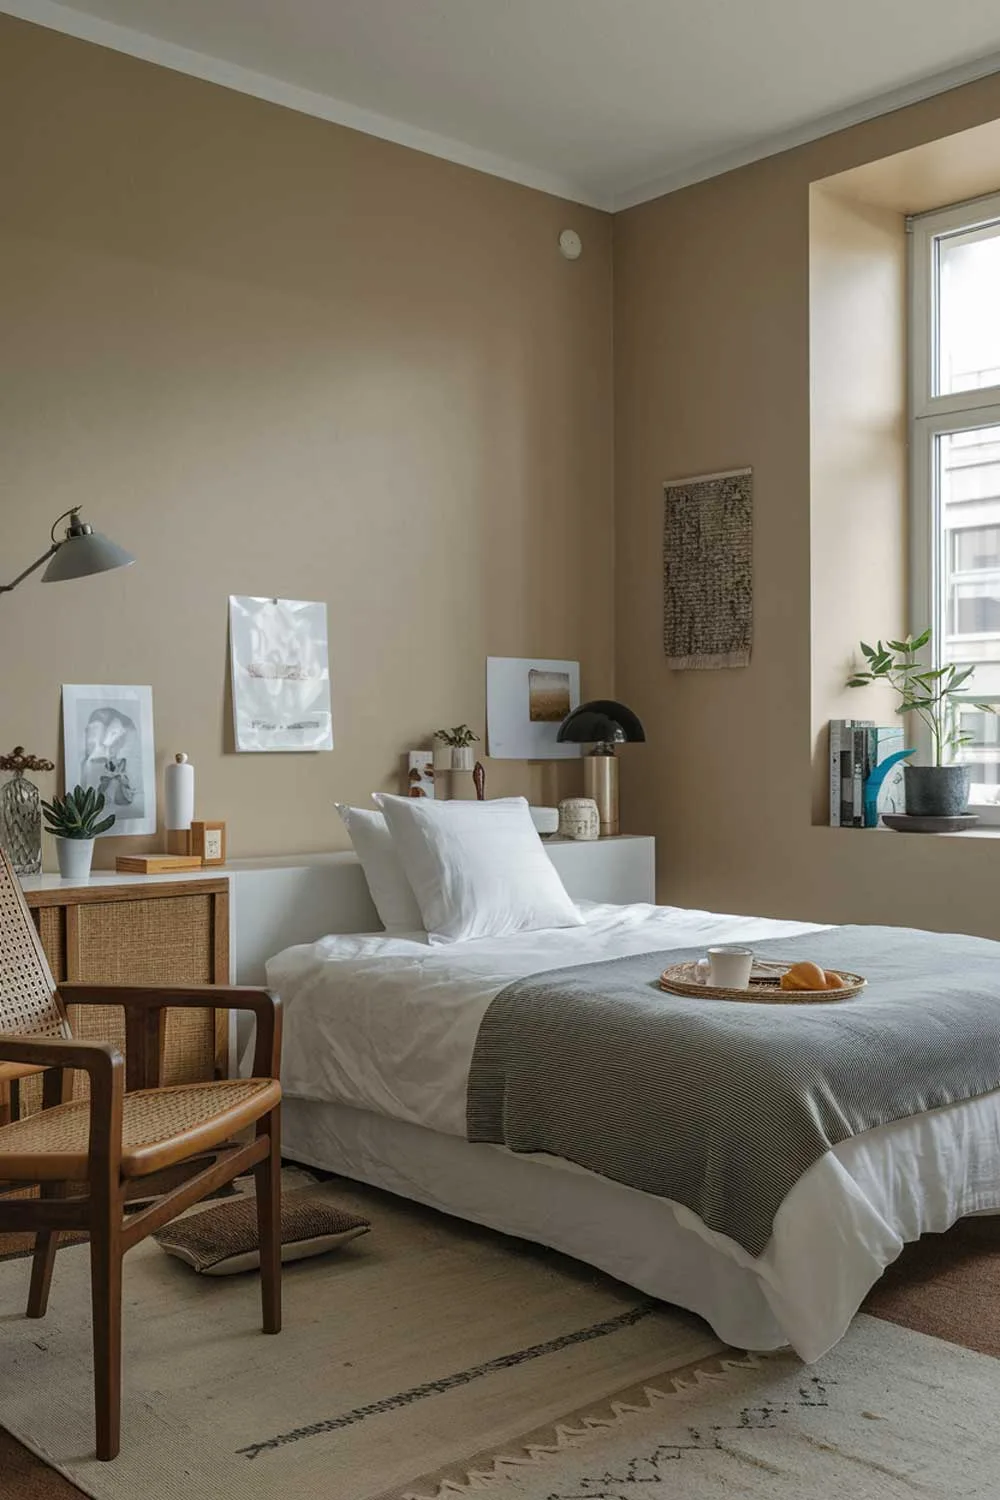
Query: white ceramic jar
{"points": [[579, 818]]}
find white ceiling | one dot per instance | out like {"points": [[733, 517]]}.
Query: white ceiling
{"points": [[605, 101]]}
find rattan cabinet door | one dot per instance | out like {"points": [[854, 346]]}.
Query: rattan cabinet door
{"points": [[148, 940]]}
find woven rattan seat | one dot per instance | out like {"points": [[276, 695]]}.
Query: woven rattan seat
{"points": [[53, 1144]]}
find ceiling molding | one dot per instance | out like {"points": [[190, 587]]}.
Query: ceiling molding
{"points": [[153, 49], [216, 70], [786, 140]]}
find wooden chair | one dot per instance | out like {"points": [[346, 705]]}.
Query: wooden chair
{"points": [[87, 1156]]}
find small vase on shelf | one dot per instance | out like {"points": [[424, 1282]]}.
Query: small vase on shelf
{"points": [[21, 811]]}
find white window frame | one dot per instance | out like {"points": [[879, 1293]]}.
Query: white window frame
{"points": [[930, 415]]}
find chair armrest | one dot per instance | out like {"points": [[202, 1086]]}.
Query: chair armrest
{"points": [[105, 1067], [153, 999], [99, 1059]]}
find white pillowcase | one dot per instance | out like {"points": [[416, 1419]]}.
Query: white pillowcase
{"points": [[477, 869], [390, 890]]}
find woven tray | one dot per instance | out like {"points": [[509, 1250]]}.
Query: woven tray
{"points": [[765, 986]]}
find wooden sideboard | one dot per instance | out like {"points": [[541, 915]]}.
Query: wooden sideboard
{"points": [[167, 932]]}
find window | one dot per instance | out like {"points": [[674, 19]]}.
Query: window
{"points": [[955, 447]]}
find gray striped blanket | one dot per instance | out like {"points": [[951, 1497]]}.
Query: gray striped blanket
{"points": [[723, 1106]]}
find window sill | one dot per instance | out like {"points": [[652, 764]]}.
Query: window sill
{"points": [[963, 833]]}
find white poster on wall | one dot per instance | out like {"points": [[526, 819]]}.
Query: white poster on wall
{"points": [[281, 674], [527, 699], [108, 745]]}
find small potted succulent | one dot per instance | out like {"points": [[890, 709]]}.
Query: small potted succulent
{"points": [[461, 739], [934, 694], [75, 821]]}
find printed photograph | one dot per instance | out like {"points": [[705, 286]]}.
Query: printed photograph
{"points": [[527, 699], [420, 774], [548, 696]]}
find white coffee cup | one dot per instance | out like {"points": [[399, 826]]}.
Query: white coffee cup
{"points": [[730, 967]]}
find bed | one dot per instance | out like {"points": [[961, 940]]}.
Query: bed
{"points": [[379, 1037]]}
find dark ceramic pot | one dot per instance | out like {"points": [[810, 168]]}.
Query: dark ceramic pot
{"points": [[937, 791]]}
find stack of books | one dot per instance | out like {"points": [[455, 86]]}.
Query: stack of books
{"points": [[857, 746]]}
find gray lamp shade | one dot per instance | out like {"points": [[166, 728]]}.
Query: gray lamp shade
{"points": [[602, 721], [84, 553]]}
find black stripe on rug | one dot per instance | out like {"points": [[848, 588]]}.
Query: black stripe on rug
{"points": [[451, 1382]]}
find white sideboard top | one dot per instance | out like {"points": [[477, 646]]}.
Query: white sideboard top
{"points": [[278, 901], [51, 881]]}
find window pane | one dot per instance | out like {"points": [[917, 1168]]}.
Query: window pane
{"points": [[969, 310], [982, 754], [975, 548], [968, 628]]}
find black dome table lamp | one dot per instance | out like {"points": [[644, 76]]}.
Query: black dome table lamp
{"points": [[603, 724]]}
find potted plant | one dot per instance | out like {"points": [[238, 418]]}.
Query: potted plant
{"points": [[940, 790], [461, 739], [75, 821]]}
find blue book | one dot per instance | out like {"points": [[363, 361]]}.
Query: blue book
{"points": [[883, 773]]}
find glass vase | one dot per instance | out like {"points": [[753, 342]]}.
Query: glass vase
{"points": [[21, 824]]}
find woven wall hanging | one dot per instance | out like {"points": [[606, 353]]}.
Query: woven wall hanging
{"points": [[708, 570]]}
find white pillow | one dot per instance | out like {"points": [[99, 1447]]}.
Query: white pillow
{"points": [[477, 869], [390, 890]]}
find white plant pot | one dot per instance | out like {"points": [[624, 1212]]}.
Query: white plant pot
{"points": [[74, 856], [442, 756], [463, 758]]}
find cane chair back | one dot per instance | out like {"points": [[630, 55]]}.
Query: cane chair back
{"points": [[29, 1005]]}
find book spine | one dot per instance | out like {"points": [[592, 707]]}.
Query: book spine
{"points": [[847, 774], [836, 731], [871, 761], [860, 745]]}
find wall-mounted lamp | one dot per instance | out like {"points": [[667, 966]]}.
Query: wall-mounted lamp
{"points": [[81, 551]]}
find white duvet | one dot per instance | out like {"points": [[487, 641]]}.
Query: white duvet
{"points": [[388, 1025]]}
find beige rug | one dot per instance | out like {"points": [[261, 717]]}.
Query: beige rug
{"points": [[888, 1415], [425, 1341]]}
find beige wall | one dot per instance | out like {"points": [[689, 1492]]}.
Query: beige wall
{"points": [[712, 369], [857, 484], [273, 356]]}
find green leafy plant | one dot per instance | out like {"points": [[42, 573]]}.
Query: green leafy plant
{"points": [[77, 815], [932, 693], [458, 738]]}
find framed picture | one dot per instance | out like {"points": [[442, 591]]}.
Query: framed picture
{"points": [[420, 774], [208, 842], [281, 674], [527, 699], [108, 745]]}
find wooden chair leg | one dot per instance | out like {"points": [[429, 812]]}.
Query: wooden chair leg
{"points": [[106, 1302], [42, 1263], [267, 1177], [56, 1089]]}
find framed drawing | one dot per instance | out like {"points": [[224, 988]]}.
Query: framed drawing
{"points": [[281, 674], [527, 699], [108, 745]]}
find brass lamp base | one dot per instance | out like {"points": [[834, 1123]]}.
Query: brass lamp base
{"points": [[600, 781]]}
